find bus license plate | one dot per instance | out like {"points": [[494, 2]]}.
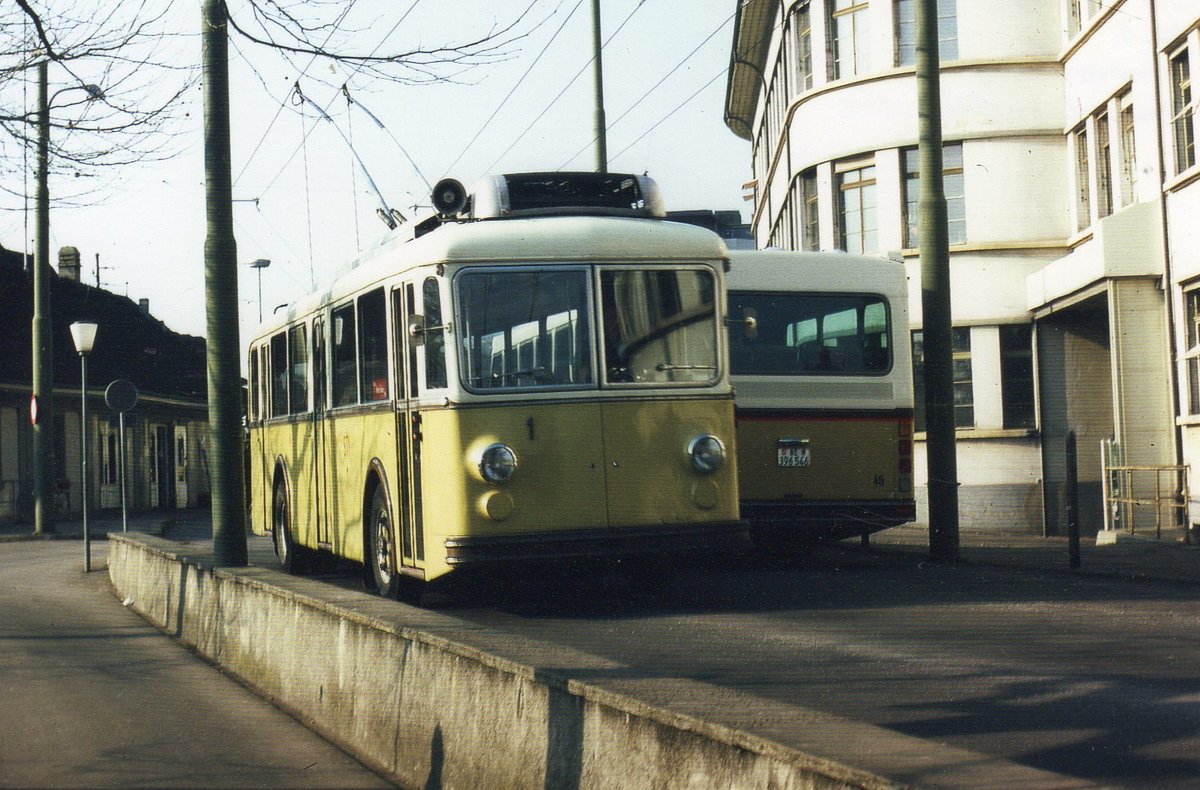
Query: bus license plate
{"points": [[794, 455]]}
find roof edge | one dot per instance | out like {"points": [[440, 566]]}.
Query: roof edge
{"points": [[752, 26]]}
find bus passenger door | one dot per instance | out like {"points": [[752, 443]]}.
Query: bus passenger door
{"points": [[321, 459], [406, 492]]}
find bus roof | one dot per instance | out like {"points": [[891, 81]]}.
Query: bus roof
{"points": [[516, 241], [785, 270]]}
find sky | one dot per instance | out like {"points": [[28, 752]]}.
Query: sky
{"points": [[302, 196]]}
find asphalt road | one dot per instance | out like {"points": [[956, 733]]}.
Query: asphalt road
{"points": [[92, 696], [1089, 677]]}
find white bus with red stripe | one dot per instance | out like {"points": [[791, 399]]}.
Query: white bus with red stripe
{"points": [[822, 372]]}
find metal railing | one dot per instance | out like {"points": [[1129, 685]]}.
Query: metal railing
{"points": [[1127, 487]]}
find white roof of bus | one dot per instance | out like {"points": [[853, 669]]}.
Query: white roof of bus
{"points": [[525, 240], [784, 270]]}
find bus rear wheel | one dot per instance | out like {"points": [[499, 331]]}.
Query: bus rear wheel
{"points": [[381, 553], [281, 535]]}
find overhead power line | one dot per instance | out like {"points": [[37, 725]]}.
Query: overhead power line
{"points": [[653, 88], [566, 87], [680, 106]]}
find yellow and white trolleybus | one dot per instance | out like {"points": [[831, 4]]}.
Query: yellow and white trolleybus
{"points": [[535, 373], [823, 376]]}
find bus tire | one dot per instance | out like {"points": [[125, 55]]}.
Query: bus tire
{"points": [[384, 577], [281, 526]]}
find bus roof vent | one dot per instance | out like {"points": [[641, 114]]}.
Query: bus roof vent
{"points": [[539, 194]]}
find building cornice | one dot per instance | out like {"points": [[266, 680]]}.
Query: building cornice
{"points": [[751, 44]]}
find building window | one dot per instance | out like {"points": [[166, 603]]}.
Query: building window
{"points": [[1128, 173], [1182, 111], [952, 185], [964, 394], [1016, 375], [1079, 13], [1191, 301], [857, 226], [1083, 194], [848, 41], [906, 31], [1103, 166], [810, 225], [800, 58]]}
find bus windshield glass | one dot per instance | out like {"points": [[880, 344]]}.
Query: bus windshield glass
{"points": [[523, 329], [660, 327], [809, 334]]}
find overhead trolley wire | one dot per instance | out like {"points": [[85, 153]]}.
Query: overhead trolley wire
{"points": [[653, 88], [680, 106], [358, 68], [516, 85], [566, 87]]}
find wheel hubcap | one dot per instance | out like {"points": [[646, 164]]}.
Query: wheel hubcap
{"points": [[383, 548]]}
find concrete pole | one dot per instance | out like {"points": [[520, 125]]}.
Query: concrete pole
{"points": [[221, 298], [43, 332], [600, 132], [935, 296]]}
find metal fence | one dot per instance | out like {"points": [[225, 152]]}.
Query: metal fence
{"points": [[1126, 488]]}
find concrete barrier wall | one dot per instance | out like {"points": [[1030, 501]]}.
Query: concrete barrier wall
{"points": [[432, 712], [436, 701]]}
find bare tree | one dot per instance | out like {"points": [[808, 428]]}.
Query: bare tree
{"points": [[127, 51], [336, 30]]}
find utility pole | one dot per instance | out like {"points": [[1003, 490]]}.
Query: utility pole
{"points": [[601, 134], [221, 298], [935, 296], [42, 404]]}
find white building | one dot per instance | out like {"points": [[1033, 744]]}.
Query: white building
{"points": [[1070, 172]]}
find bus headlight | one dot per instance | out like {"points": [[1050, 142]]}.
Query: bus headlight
{"points": [[497, 463], [707, 452]]}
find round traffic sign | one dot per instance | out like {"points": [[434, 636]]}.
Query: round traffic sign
{"points": [[121, 395]]}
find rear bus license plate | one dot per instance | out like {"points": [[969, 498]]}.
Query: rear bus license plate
{"points": [[794, 455]]}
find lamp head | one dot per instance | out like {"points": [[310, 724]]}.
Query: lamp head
{"points": [[261, 263], [84, 335]]}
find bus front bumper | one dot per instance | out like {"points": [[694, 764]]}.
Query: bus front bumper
{"points": [[599, 543]]}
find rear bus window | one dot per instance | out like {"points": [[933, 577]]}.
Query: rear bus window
{"points": [[806, 334]]}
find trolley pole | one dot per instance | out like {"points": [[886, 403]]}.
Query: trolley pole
{"points": [[935, 296], [601, 133], [221, 298]]}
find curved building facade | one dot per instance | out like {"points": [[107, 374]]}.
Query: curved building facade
{"points": [[1069, 289]]}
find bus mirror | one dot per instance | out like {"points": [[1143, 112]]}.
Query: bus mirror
{"points": [[416, 328], [749, 322]]}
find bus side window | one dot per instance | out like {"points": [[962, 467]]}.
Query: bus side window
{"points": [[279, 375], [298, 381], [252, 407], [345, 372], [372, 345], [435, 336], [319, 366]]}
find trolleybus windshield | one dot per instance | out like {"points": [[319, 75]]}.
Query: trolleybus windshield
{"points": [[532, 328]]}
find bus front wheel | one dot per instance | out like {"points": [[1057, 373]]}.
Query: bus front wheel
{"points": [[381, 555]]}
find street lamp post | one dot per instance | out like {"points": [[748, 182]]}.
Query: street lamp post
{"points": [[84, 335], [41, 405], [260, 264]]}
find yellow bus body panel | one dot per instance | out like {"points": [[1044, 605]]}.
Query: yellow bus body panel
{"points": [[579, 466], [650, 476], [853, 458]]}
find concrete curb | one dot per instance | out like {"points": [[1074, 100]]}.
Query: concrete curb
{"points": [[435, 701]]}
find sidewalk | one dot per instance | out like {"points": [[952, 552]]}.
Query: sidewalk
{"points": [[1131, 557], [193, 524]]}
